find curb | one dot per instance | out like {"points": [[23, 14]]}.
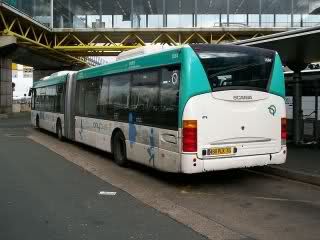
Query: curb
{"points": [[291, 174]]}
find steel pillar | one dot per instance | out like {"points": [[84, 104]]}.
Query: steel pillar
{"points": [[5, 85], [297, 108]]}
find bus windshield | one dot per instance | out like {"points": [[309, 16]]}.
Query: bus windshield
{"points": [[236, 67]]}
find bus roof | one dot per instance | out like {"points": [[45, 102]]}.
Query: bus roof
{"points": [[149, 57], [167, 56], [54, 79]]}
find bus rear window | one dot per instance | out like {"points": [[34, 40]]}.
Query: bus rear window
{"points": [[236, 67]]}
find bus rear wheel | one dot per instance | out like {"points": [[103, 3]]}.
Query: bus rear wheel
{"points": [[119, 150]]}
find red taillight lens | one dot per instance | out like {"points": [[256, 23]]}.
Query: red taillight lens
{"points": [[189, 136], [283, 129]]}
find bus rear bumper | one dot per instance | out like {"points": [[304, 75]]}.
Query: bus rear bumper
{"points": [[191, 164]]}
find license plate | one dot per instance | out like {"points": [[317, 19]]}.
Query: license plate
{"points": [[220, 151]]}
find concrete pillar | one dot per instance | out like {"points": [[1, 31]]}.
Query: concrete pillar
{"points": [[297, 108], [5, 85]]}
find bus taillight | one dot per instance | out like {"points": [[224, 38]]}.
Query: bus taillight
{"points": [[283, 131], [189, 136]]}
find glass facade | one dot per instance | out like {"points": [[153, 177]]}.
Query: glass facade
{"points": [[172, 13]]}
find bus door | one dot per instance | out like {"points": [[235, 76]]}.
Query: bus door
{"points": [[167, 117]]}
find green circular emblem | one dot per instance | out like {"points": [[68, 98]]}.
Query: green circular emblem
{"points": [[272, 110]]}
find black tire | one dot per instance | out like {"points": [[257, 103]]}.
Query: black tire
{"points": [[37, 122], [59, 131], [119, 149]]}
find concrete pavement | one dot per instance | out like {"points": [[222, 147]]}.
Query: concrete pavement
{"points": [[43, 196], [239, 204], [303, 164]]}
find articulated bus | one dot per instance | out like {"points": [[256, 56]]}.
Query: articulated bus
{"points": [[189, 109]]}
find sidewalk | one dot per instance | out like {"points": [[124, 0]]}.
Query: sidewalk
{"points": [[303, 164]]}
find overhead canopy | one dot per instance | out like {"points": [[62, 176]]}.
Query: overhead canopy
{"points": [[29, 57], [297, 48]]}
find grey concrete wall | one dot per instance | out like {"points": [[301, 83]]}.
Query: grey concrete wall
{"points": [[5, 85]]}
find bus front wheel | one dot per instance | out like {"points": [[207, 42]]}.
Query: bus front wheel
{"points": [[119, 149]]}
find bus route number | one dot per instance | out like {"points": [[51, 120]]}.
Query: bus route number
{"points": [[175, 55], [132, 63]]}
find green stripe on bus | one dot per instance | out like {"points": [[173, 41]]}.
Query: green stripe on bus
{"points": [[277, 85], [50, 81], [155, 60], [194, 79]]}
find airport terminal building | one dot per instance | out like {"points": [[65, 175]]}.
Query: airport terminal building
{"points": [[172, 13]]}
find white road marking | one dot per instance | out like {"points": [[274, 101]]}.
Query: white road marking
{"points": [[107, 193]]}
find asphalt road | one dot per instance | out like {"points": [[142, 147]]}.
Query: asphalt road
{"points": [[43, 196], [49, 190]]}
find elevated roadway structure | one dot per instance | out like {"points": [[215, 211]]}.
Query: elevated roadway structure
{"points": [[110, 42]]}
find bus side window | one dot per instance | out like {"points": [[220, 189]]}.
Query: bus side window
{"points": [[144, 101], [40, 97], [51, 93], [87, 97], [33, 92], [103, 98], [80, 97], [119, 97], [92, 90], [169, 97], [59, 101]]}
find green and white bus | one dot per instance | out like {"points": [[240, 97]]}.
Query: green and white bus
{"points": [[188, 109]]}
